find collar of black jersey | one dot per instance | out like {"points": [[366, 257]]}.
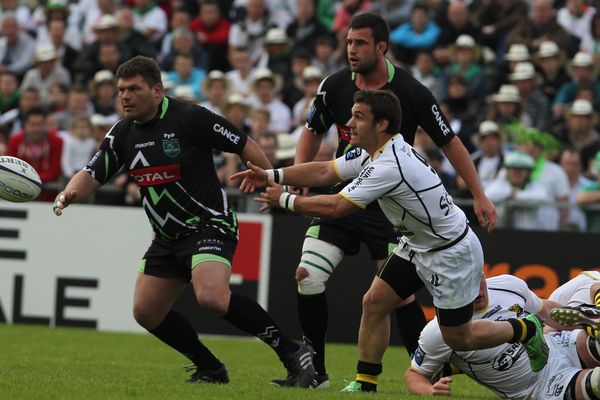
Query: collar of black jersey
{"points": [[160, 113], [390, 68]]}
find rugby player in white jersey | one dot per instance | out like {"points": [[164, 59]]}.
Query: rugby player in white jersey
{"points": [[437, 249], [572, 371]]}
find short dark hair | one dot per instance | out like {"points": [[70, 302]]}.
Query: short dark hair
{"points": [[384, 106], [35, 111], [142, 66], [378, 26]]}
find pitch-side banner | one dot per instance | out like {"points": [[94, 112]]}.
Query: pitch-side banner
{"points": [[79, 269]]}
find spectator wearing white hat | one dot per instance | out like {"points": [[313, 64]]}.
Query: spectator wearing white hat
{"points": [[534, 101], [17, 48], [551, 63], [464, 60], [46, 72], [311, 78], [92, 15], [590, 195], [506, 107], [516, 185], [489, 158], [582, 70], [265, 87], [186, 94], [236, 110], [104, 93], [215, 88], [517, 52], [459, 21], [581, 120], [276, 54]]}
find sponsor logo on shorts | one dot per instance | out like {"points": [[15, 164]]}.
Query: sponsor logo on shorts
{"points": [[434, 280], [210, 245], [419, 355], [160, 175], [554, 387], [507, 359]]}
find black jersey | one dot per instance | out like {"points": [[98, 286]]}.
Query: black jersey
{"points": [[333, 105], [171, 159]]}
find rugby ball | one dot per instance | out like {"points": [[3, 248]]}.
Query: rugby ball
{"points": [[19, 182]]}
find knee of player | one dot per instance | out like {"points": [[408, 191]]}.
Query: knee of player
{"points": [[301, 273], [146, 318], [375, 302], [214, 301]]}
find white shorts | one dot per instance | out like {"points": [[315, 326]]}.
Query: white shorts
{"points": [[577, 291], [452, 276], [563, 363]]}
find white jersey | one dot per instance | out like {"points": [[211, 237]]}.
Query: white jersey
{"points": [[409, 191], [504, 369], [576, 291]]}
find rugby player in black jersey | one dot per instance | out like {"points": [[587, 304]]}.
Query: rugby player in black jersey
{"points": [[166, 146], [329, 240]]}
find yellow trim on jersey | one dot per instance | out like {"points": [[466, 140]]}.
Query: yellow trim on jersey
{"points": [[352, 201], [542, 307], [587, 273], [380, 150], [337, 172], [367, 378]]}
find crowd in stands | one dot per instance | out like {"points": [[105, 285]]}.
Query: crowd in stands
{"points": [[518, 80]]}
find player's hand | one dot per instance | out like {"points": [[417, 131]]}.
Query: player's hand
{"points": [[442, 387], [63, 200], [270, 197], [254, 177], [485, 211]]}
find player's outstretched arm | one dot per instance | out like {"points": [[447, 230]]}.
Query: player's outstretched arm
{"points": [[316, 173], [333, 205], [254, 154], [79, 188], [461, 161], [419, 384]]}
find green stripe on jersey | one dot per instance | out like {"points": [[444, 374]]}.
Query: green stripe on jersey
{"points": [[313, 231], [391, 247], [155, 197], [205, 257], [164, 106], [322, 257], [106, 161], [142, 266]]}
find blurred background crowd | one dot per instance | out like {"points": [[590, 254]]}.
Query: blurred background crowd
{"points": [[517, 79]]}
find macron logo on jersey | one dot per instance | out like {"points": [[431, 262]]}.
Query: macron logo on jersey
{"points": [[227, 133], [152, 176]]}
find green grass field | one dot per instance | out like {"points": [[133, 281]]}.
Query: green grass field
{"points": [[62, 363]]}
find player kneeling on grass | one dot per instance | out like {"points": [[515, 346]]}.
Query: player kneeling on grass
{"points": [[166, 146], [438, 249], [573, 368]]}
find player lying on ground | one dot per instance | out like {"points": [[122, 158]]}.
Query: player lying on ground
{"points": [[438, 249], [572, 371]]}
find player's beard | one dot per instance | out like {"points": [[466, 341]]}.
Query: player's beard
{"points": [[365, 67]]}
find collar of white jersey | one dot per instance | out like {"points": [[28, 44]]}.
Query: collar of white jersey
{"points": [[390, 141]]}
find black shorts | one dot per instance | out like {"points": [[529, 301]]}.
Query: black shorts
{"points": [[402, 277], [177, 258], [369, 226]]}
